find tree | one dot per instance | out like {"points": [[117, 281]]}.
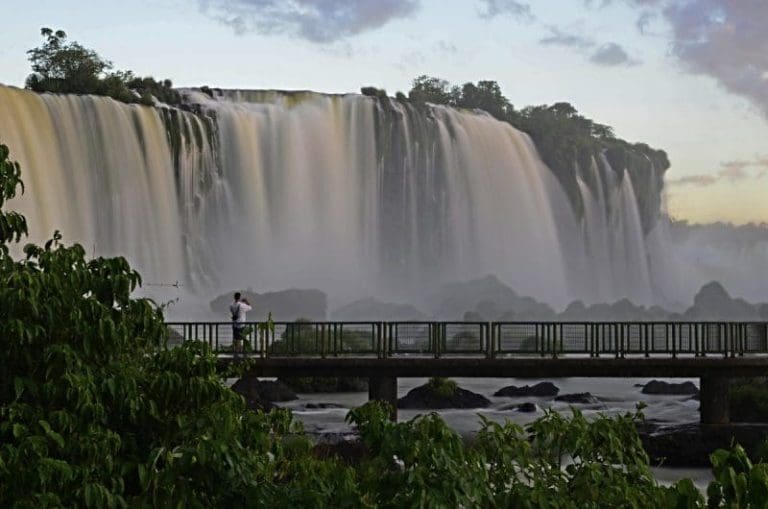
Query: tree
{"points": [[427, 89], [487, 96], [69, 68], [65, 67]]}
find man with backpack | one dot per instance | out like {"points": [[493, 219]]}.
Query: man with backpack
{"points": [[237, 310]]}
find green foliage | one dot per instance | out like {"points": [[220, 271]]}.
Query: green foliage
{"points": [[738, 483], [427, 89], [374, 92], [485, 95], [13, 226], [556, 462], [65, 67], [749, 400], [443, 387]]}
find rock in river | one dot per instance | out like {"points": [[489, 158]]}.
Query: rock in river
{"points": [[429, 396], [581, 398], [541, 390], [659, 387]]}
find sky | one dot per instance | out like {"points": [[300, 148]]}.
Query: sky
{"points": [[687, 76]]}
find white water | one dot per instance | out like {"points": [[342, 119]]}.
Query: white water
{"points": [[347, 194]]}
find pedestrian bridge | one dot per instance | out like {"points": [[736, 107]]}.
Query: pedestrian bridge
{"points": [[384, 351]]}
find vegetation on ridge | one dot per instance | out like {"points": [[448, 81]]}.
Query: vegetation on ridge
{"points": [[64, 67]]}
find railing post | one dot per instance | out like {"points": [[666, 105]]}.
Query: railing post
{"points": [[675, 329], [553, 338]]}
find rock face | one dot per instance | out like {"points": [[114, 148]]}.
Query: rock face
{"points": [[660, 387], [285, 305], [373, 309], [580, 398], [690, 445], [259, 395], [540, 390], [326, 384], [713, 302], [426, 397], [489, 299]]}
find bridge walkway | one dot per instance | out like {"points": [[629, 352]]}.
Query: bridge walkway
{"points": [[715, 352]]}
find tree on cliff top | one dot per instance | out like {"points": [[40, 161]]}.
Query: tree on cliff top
{"points": [[63, 67]]}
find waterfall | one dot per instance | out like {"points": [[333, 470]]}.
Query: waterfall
{"points": [[345, 193]]}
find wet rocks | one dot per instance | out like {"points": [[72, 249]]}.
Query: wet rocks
{"points": [[540, 390], [527, 407], [676, 389], [691, 444], [259, 394], [430, 397], [578, 398]]}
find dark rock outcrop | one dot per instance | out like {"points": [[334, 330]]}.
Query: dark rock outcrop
{"points": [[691, 444], [489, 299], [713, 302], [679, 389], [426, 397], [580, 398], [540, 390], [259, 394], [285, 305]]}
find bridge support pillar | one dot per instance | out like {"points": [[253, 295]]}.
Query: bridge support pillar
{"points": [[384, 388], [714, 400]]}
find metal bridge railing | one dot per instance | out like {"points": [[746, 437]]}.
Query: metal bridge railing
{"points": [[481, 339]]}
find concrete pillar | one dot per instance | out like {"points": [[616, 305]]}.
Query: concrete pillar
{"points": [[714, 400], [384, 388]]}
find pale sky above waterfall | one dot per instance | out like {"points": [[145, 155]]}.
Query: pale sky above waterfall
{"points": [[688, 76]]}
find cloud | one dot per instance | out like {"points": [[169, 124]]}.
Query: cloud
{"points": [[445, 47], [514, 8], [726, 40], [611, 54], [732, 171], [644, 21], [320, 21], [559, 37]]}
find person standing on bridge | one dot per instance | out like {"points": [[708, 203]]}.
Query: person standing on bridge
{"points": [[237, 309]]}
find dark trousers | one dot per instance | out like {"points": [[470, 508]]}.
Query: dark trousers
{"points": [[237, 337]]}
